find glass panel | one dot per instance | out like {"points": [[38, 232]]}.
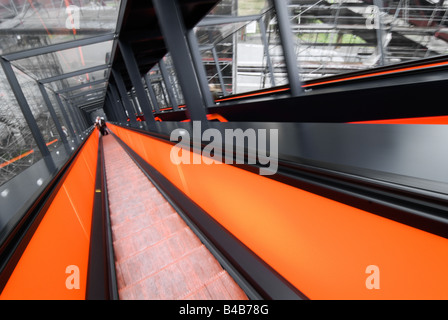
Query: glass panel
{"points": [[242, 56], [174, 80], [213, 34], [56, 63], [240, 8], [59, 114], [39, 110], [77, 80], [88, 98], [18, 149], [159, 87], [32, 24], [69, 115], [85, 89], [335, 36], [331, 37]]}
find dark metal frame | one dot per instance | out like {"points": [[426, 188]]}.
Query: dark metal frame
{"points": [[286, 37], [75, 73], [168, 85], [85, 94], [152, 94], [117, 102], [67, 119], [57, 47], [23, 104], [199, 67], [124, 95], [82, 86], [54, 116], [134, 74], [174, 31]]}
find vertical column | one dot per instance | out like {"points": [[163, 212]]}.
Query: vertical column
{"points": [[67, 119], [75, 120], [173, 30], [218, 69], [152, 94], [264, 39], [110, 112], [23, 104], [81, 118], [380, 36], [168, 86], [199, 67], [78, 117], [137, 106], [84, 118], [124, 95], [134, 74], [286, 37], [117, 103], [54, 116]]}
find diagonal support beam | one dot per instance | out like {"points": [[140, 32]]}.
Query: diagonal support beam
{"points": [[58, 47], [75, 73], [136, 78], [174, 31]]}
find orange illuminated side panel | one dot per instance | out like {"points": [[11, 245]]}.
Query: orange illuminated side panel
{"points": [[54, 263], [419, 120], [326, 249]]}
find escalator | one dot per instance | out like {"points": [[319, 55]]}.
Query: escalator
{"points": [[157, 254]]}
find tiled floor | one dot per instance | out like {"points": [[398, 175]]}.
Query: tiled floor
{"points": [[157, 255]]}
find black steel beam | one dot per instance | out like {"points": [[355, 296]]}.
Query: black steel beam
{"points": [[199, 67], [54, 116], [75, 120], [84, 94], [264, 39], [136, 79], [74, 73], [58, 47], [286, 38], [217, 20], [124, 95], [152, 94], [174, 32], [82, 86], [117, 103], [66, 117], [168, 85]]}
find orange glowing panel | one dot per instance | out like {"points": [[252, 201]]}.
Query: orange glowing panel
{"points": [[419, 120], [325, 248], [55, 261]]}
